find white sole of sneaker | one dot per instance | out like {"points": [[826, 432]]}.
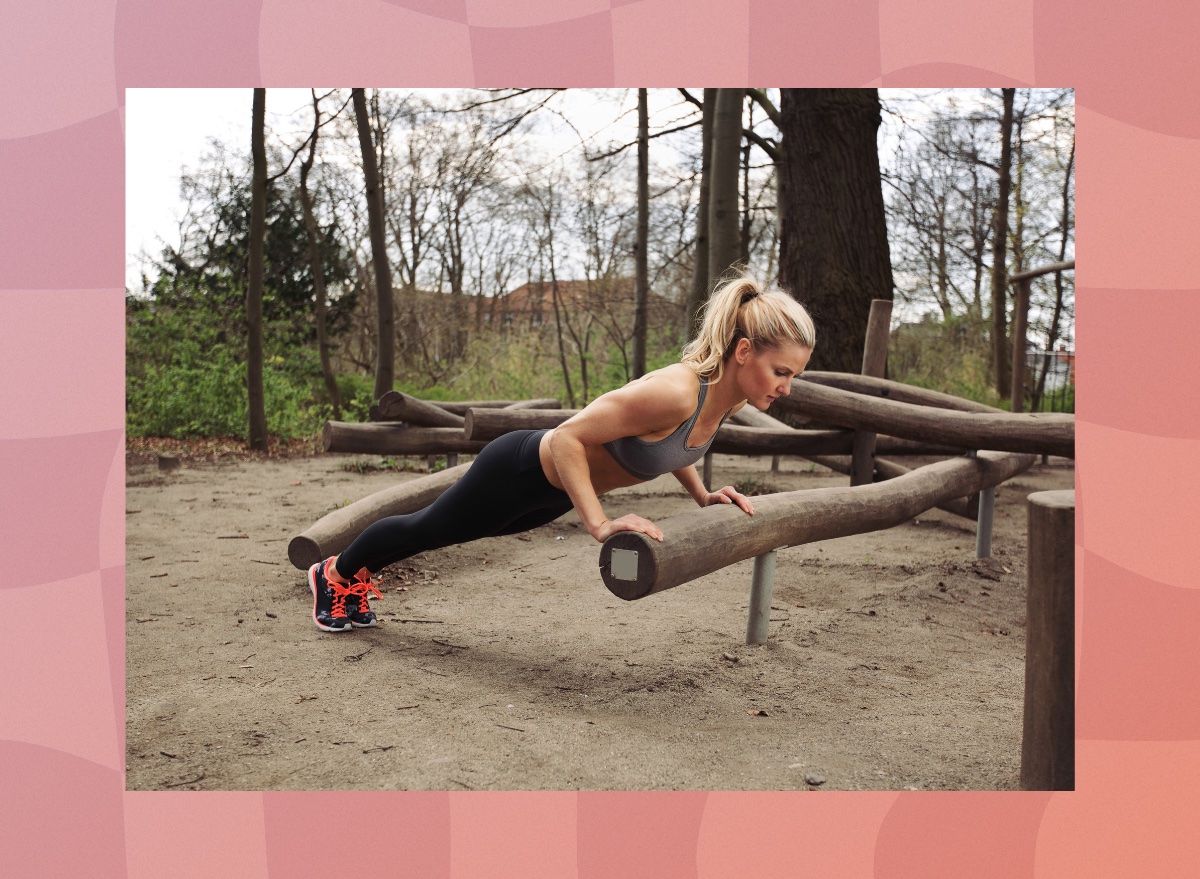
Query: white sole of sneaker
{"points": [[312, 584]]}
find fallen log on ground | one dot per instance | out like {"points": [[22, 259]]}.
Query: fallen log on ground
{"points": [[708, 539], [1036, 432], [334, 531], [898, 391], [967, 507], [392, 439]]}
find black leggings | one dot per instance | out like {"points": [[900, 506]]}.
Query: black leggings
{"points": [[504, 491]]}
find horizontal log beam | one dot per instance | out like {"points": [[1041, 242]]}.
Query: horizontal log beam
{"points": [[1037, 432], [708, 539], [967, 507], [732, 439], [890, 390], [397, 406], [392, 439], [335, 531]]}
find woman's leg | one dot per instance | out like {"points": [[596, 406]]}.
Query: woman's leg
{"points": [[503, 486]]}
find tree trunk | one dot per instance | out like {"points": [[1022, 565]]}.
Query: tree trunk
{"points": [[723, 205], [254, 287], [700, 280], [999, 255], [641, 271], [834, 248], [385, 367], [314, 265]]}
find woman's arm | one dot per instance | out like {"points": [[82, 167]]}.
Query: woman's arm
{"points": [[639, 408], [690, 480]]}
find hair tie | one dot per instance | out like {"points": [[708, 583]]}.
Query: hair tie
{"points": [[746, 297]]}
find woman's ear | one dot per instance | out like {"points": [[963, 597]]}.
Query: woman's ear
{"points": [[742, 352]]}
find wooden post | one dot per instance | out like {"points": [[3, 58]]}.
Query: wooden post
{"points": [[1020, 328], [1048, 743], [862, 469]]}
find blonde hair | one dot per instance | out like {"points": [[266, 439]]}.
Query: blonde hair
{"points": [[741, 309]]}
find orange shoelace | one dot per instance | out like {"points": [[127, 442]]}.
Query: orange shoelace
{"points": [[341, 591], [362, 585]]}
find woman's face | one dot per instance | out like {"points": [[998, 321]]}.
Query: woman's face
{"points": [[767, 374]]}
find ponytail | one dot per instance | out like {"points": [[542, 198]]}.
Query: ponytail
{"points": [[740, 309]]}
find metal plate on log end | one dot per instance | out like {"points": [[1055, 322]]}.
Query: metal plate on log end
{"points": [[624, 564]]}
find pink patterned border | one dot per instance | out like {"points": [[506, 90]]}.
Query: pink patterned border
{"points": [[63, 808]]}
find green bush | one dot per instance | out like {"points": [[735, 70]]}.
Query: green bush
{"points": [[194, 396]]}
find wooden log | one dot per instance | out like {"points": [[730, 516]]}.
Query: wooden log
{"points": [[397, 406], [967, 507], [379, 413], [1038, 432], [732, 439], [1048, 740], [546, 403], [751, 417], [391, 439], [335, 531], [889, 390], [862, 465], [487, 424], [708, 539]]}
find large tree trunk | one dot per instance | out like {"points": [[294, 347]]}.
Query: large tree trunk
{"points": [[254, 287], [723, 207], [700, 280], [385, 367], [834, 248], [999, 255], [641, 272], [314, 264]]}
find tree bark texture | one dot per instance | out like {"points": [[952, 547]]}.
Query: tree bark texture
{"points": [[254, 287], [833, 249], [385, 367], [393, 439], [723, 207]]}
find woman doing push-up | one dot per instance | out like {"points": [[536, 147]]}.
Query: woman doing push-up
{"points": [[750, 346]]}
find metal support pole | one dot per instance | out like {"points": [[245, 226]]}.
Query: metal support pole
{"points": [[983, 526], [760, 598]]}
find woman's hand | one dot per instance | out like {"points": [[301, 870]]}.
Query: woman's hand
{"points": [[729, 495], [631, 522]]}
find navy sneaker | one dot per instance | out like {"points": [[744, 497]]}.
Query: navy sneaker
{"points": [[329, 600], [357, 609]]}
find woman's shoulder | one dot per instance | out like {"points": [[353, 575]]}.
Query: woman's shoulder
{"points": [[670, 392]]}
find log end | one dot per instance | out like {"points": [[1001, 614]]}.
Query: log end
{"points": [[469, 424], [327, 436], [628, 565], [303, 552]]}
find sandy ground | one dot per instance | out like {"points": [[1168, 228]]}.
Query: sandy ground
{"points": [[895, 660]]}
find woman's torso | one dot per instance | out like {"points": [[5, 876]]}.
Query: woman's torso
{"points": [[606, 473]]}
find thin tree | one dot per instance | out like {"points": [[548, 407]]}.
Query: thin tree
{"points": [[700, 279], [385, 367], [254, 288], [314, 262], [834, 249], [641, 270], [1000, 358]]}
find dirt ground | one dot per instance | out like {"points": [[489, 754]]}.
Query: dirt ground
{"points": [[895, 660]]}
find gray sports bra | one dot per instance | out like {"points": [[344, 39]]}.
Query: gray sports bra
{"points": [[646, 460]]}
